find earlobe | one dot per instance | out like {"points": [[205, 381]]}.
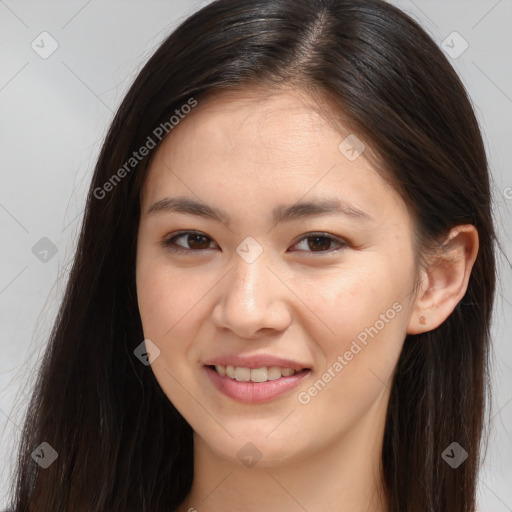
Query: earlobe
{"points": [[445, 281]]}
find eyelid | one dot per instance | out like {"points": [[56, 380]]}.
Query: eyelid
{"points": [[342, 243]]}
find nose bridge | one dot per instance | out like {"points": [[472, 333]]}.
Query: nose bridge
{"points": [[252, 298], [250, 287]]}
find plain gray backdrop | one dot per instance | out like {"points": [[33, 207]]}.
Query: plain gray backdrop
{"points": [[64, 68]]}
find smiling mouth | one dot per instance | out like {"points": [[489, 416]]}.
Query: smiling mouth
{"points": [[263, 374]]}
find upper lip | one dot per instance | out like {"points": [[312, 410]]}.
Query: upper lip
{"points": [[256, 361]]}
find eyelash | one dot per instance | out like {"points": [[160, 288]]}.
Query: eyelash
{"points": [[169, 242]]}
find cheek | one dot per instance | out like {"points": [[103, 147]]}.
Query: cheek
{"points": [[358, 358], [360, 314], [169, 305], [165, 298]]}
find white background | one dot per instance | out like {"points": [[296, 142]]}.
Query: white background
{"points": [[54, 113]]}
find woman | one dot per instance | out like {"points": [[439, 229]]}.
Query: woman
{"points": [[203, 357]]}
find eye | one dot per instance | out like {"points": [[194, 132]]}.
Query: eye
{"points": [[319, 242], [194, 239]]}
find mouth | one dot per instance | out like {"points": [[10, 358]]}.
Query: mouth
{"points": [[255, 385]]}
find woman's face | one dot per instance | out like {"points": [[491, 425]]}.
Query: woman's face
{"points": [[262, 271]]}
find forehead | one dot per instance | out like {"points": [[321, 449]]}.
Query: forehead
{"points": [[285, 123], [275, 146]]}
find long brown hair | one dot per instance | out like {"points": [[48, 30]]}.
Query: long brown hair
{"points": [[121, 444]]}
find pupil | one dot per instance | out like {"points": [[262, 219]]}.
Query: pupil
{"points": [[195, 239], [321, 245]]}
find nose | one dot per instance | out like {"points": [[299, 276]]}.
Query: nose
{"points": [[252, 301]]}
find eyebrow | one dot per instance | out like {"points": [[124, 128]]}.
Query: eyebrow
{"points": [[279, 214]]}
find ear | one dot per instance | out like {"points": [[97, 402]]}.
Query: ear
{"points": [[445, 280]]}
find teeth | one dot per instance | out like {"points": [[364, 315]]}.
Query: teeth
{"points": [[259, 375], [242, 374], [221, 370], [274, 372]]}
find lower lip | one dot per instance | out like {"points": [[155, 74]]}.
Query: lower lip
{"points": [[255, 392]]}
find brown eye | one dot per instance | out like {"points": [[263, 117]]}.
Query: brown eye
{"points": [[198, 241], [191, 241], [320, 243]]}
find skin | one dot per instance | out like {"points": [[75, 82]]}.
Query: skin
{"points": [[247, 153]]}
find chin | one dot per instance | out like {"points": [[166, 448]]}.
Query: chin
{"points": [[256, 451]]}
